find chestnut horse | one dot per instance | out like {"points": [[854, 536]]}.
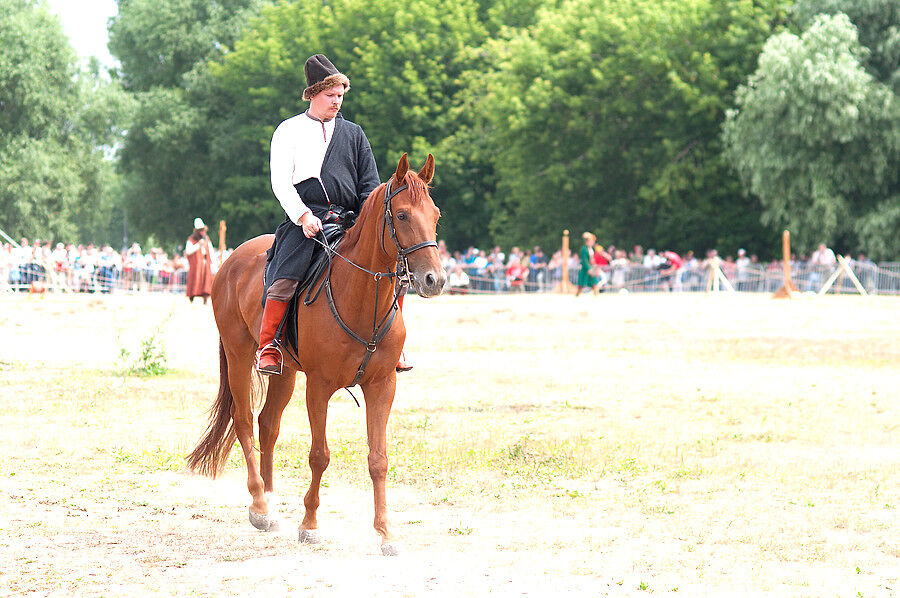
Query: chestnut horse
{"points": [[361, 290]]}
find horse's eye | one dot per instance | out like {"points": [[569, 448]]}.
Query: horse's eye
{"points": [[401, 215]]}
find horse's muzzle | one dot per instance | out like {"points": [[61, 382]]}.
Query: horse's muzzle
{"points": [[428, 282]]}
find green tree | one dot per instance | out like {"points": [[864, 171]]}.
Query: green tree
{"points": [[816, 138], [608, 116], [877, 230], [404, 60], [57, 123], [502, 17], [878, 25], [466, 180], [158, 41], [164, 48]]}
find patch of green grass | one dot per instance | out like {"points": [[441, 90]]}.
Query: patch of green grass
{"points": [[460, 530], [150, 359], [156, 459]]}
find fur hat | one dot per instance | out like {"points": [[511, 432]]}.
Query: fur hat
{"points": [[320, 75]]}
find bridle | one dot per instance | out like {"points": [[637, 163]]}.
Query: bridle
{"points": [[400, 274], [388, 221]]}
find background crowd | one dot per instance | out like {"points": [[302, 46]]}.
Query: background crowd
{"points": [[90, 268], [532, 270]]}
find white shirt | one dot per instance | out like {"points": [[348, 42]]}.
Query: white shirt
{"points": [[24, 254], [190, 248], [458, 279], [297, 153], [652, 261], [824, 257]]}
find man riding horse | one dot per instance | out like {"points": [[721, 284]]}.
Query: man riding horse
{"points": [[322, 169]]}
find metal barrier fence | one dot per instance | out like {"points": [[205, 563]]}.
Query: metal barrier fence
{"points": [[103, 279], [880, 279]]}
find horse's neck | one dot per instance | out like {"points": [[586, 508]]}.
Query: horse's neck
{"points": [[367, 253]]}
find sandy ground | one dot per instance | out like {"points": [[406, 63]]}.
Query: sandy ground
{"points": [[785, 416]]}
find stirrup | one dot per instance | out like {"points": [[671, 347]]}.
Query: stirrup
{"points": [[270, 372], [406, 365]]}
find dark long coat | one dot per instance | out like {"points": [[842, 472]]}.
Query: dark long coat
{"points": [[348, 176]]}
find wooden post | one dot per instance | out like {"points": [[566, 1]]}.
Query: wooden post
{"points": [[859, 287], [564, 283], [222, 229], [843, 268], [788, 287], [717, 278], [838, 288]]}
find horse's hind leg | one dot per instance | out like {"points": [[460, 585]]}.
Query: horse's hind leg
{"points": [[239, 372], [317, 396], [277, 398]]}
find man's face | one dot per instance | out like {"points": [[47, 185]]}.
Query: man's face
{"points": [[326, 104]]}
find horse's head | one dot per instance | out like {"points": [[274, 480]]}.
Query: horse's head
{"points": [[411, 218]]}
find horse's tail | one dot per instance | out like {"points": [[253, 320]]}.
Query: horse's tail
{"points": [[208, 458]]}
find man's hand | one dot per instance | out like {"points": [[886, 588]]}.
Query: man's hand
{"points": [[310, 224]]}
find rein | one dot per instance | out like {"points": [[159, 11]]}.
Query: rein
{"points": [[401, 273]]}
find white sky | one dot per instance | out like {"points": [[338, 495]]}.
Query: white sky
{"points": [[84, 22]]}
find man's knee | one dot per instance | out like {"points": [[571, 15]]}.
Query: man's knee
{"points": [[282, 290]]}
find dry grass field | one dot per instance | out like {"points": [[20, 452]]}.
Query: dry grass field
{"points": [[620, 445]]}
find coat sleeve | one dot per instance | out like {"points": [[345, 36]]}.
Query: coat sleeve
{"points": [[366, 170]]}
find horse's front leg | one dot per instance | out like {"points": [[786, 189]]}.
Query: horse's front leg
{"points": [[379, 397], [317, 396]]}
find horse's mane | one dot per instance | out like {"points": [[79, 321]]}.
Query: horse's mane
{"points": [[371, 208]]}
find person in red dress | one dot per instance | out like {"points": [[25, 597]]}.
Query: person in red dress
{"points": [[198, 251]]}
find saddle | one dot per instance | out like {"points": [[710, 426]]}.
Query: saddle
{"points": [[286, 334]]}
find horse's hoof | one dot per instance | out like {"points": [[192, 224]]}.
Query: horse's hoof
{"points": [[391, 548], [263, 522], [310, 536]]}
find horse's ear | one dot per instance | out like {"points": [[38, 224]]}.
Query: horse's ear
{"points": [[402, 169], [427, 172]]}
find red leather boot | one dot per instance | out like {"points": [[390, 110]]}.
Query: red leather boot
{"points": [[268, 358], [403, 365]]}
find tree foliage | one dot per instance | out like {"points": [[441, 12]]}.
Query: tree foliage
{"points": [[164, 48], [607, 113], [815, 136], [404, 60], [158, 41], [878, 26], [56, 123], [543, 114]]}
